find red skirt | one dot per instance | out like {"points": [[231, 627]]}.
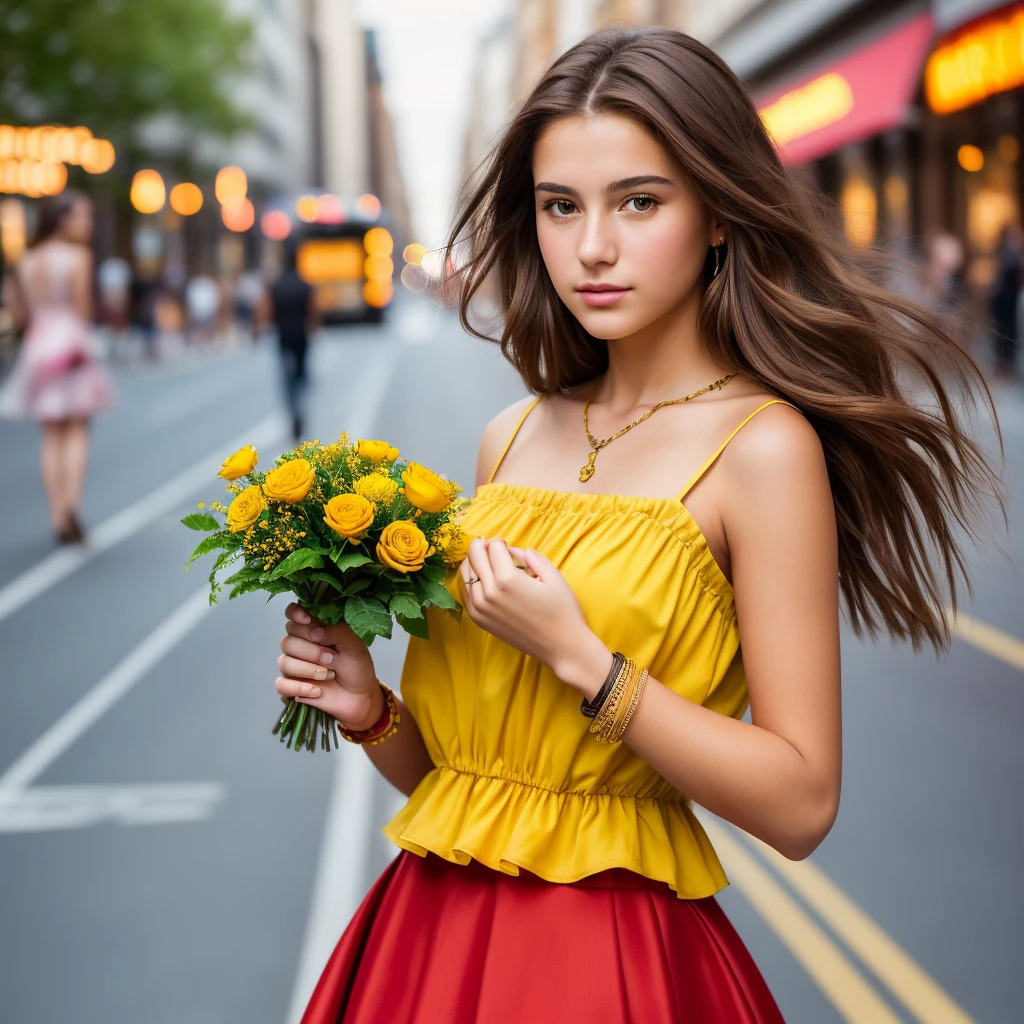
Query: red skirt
{"points": [[438, 943]]}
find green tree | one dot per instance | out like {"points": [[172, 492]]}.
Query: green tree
{"points": [[111, 64]]}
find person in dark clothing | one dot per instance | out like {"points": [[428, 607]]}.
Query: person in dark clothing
{"points": [[1004, 299], [290, 307]]}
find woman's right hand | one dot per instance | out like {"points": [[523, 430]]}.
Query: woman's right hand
{"points": [[330, 668]]}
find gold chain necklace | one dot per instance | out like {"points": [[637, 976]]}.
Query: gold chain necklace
{"points": [[587, 471]]}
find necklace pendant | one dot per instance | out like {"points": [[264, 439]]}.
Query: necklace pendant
{"points": [[588, 470]]}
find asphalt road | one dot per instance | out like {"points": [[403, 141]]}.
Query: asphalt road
{"points": [[164, 859]]}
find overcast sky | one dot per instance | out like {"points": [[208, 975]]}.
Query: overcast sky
{"points": [[427, 50]]}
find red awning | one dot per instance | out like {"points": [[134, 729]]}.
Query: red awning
{"points": [[866, 92]]}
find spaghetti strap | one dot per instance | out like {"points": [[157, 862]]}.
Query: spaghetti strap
{"points": [[508, 443], [721, 448]]}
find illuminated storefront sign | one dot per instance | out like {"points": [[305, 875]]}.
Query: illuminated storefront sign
{"points": [[816, 105], [978, 61]]}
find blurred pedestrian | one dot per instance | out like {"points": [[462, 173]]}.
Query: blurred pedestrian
{"points": [[945, 275], [1003, 301], [202, 300], [290, 307], [57, 378]]}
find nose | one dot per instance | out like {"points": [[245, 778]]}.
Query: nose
{"points": [[597, 243]]}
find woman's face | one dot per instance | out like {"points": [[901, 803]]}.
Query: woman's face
{"points": [[77, 225], [614, 209]]}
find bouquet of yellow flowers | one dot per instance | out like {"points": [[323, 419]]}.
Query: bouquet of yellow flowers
{"points": [[356, 534]]}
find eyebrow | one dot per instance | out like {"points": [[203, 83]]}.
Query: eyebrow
{"points": [[615, 186]]}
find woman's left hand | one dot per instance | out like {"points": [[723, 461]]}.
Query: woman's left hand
{"points": [[538, 615]]}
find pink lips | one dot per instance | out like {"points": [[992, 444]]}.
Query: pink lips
{"points": [[601, 294]]}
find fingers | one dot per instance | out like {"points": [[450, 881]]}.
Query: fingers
{"points": [[305, 650], [299, 669], [503, 568], [296, 688]]}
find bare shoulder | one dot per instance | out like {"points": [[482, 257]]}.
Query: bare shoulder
{"points": [[776, 465], [496, 434]]}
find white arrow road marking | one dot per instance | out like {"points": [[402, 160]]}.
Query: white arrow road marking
{"points": [[47, 808]]}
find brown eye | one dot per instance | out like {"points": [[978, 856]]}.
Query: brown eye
{"points": [[642, 204], [560, 207]]}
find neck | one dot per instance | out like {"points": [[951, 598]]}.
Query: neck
{"points": [[662, 361]]}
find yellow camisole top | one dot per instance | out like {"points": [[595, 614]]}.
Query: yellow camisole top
{"points": [[520, 781]]}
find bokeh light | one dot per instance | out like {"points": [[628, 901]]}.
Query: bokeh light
{"points": [[378, 293], [238, 214], [97, 156], [186, 198], [376, 268], [230, 183], [147, 193], [1009, 148], [305, 208], [970, 158], [432, 264], [368, 205], [414, 252], [276, 225], [378, 242], [329, 209], [413, 278], [12, 230]]}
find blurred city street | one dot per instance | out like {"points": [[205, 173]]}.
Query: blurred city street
{"points": [[166, 859]]}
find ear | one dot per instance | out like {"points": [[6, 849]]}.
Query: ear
{"points": [[718, 230]]}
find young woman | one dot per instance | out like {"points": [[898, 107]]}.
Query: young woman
{"points": [[57, 378], [721, 443]]}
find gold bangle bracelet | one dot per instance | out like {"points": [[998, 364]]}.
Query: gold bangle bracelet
{"points": [[610, 733], [633, 704], [611, 701]]}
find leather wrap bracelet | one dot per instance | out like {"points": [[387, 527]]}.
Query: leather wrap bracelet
{"points": [[590, 708]]}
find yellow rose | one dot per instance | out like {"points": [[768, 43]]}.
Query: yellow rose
{"points": [[239, 464], [290, 482], [425, 489], [376, 488], [349, 514], [402, 546], [376, 451], [245, 509]]}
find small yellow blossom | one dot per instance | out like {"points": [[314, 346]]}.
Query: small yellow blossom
{"points": [[376, 488], [201, 504], [376, 451]]}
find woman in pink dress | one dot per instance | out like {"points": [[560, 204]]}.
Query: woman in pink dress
{"points": [[57, 378]]}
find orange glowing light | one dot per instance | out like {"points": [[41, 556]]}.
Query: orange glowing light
{"points": [[186, 198], [147, 193], [970, 158], [414, 252], [376, 268], [322, 260], [276, 225], [230, 183], [378, 293], [97, 156], [368, 205], [813, 106], [305, 208], [983, 60], [378, 242], [238, 214], [12, 230]]}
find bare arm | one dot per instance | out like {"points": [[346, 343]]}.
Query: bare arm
{"points": [[12, 299], [81, 285]]}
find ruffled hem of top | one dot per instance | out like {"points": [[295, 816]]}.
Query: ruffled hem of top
{"points": [[559, 836]]}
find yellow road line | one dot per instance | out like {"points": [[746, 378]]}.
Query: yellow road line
{"points": [[842, 984], [989, 639], [905, 978]]}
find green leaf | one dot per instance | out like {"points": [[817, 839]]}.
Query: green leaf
{"points": [[245, 575], [356, 585], [304, 558], [208, 544], [332, 614], [414, 627], [367, 616], [201, 521], [349, 559], [433, 571], [245, 587], [437, 594], [326, 577], [406, 605]]}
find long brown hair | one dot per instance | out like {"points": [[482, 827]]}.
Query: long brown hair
{"points": [[793, 308]]}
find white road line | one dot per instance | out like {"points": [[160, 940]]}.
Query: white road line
{"points": [[854, 999], [129, 521], [341, 868], [923, 997], [110, 689]]}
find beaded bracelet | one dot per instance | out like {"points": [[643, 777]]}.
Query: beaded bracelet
{"points": [[606, 715], [383, 729], [590, 708]]}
